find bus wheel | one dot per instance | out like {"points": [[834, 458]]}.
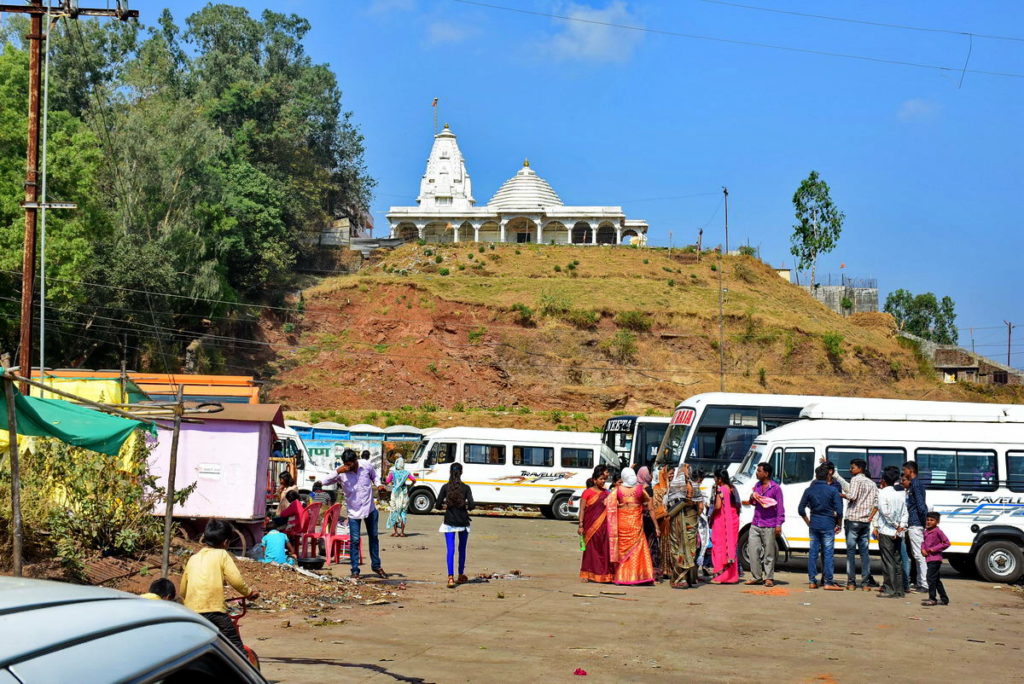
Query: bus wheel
{"points": [[547, 512], [560, 508], [1000, 561], [421, 502]]}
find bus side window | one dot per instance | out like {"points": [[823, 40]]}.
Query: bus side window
{"points": [[776, 463], [798, 466], [441, 452], [1015, 471]]}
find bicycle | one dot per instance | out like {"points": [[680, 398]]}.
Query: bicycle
{"points": [[236, 615]]}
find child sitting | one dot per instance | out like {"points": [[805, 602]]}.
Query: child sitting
{"points": [[277, 548], [935, 542], [160, 590], [202, 584], [293, 515]]}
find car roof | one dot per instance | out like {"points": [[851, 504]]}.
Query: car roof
{"points": [[41, 617]]}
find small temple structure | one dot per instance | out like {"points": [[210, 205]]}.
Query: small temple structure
{"points": [[524, 209]]}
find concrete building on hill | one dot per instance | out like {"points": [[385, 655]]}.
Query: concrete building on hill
{"points": [[524, 209]]}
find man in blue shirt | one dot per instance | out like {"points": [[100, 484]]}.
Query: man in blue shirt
{"points": [[917, 510], [826, 515]]}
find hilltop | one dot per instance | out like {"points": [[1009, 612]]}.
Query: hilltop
{"points": [[583, 330]]}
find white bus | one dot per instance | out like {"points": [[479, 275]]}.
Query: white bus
{"points": [[506, 466], [716, 429], [973, 473], [635, 439]]}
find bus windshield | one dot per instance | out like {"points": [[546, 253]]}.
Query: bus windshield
{"points": [[674, 440], [749, 466], [419, 452]]}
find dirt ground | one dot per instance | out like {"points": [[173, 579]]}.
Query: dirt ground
{"points": [[534, 629]]}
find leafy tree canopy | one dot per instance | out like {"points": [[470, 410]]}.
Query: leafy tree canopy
{"points": [[924, 315], [819, 222]]}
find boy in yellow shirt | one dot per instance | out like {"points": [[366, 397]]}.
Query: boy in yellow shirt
{"points": [[202, 584]]}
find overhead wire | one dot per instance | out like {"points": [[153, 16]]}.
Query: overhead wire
{"points": [[746, 43]]}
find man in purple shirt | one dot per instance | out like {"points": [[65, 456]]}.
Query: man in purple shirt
{"points": [[359, 481], [769, 514]]}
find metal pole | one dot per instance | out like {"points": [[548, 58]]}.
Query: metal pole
{"points": [[179, 409], [42, 226], [28, 263], [1009, 341], [12, 436], [725, 191]]}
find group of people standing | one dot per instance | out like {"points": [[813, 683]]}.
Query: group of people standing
{"points": [[636, 532], [641, 532]]}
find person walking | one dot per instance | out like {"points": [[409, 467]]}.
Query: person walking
{"points": [[400, 480], [935, 542], [862, 495], [651, 532], [659, 511], [629, 552], [725, 524], [456, 498], [769, 514], [596, 565], [891, 524], [825, 506], [358, 480], [917, 510]]}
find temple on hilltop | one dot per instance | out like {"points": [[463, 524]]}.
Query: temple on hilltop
{"points": [[524, 209]]}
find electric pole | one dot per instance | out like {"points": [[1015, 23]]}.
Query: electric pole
{"points": [[725, 192], [1009, 341], [37, 41], [721, 326]]}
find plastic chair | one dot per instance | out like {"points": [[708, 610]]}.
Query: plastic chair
{"points": [[338, 545], [308, 523], [330, 522]]}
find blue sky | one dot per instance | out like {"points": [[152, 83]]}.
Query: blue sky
{"points": [[929, 171]]}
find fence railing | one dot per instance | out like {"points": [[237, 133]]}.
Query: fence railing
{"points": [[804, 278]]}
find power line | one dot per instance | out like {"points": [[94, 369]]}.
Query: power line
{"points": [[866, 22], [747, 43]]}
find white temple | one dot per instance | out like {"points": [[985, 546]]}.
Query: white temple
{"points": [[525, 209]]}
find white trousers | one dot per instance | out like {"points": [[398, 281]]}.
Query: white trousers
{"points": [[916, 537]]}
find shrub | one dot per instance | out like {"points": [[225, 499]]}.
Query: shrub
{"points": [[432, 368], [428, 408], [556, 416], [462, 267], [553, 304], [762, 377], [421, 242], [621, 347], [666, 269], [380, 348], [428, 252], [438, 259], [558, 269], [847, 304], [575, 262], [524, 314], [492, 246], [517, 251], [744, 273], [459, 407], [477, 334], [637, 321], [443, 271], [833, 342], [570, 266], [747, 250], [470, 256], [581, 318], [714, 267], [647, 261], [481, 249], [288, 328], [671, 283]]}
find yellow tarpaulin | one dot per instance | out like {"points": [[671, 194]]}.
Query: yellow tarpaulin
{"points": [[94, 389]]}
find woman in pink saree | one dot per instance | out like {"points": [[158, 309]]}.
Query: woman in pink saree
{"points": [[630, 554], [596, 565], [725, 524]]}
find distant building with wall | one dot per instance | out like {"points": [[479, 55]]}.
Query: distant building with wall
{"points": [[833, 291], [960, 365], [524, 209]]}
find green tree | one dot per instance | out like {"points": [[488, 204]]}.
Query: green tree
{"points": [[819, 222], [924, 315]]}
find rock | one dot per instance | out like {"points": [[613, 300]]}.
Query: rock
{"points": [[285, 624]]}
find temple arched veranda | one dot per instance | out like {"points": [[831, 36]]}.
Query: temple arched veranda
{"points": [[524, 209]]}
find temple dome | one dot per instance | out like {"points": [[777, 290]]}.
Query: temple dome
{"points": [[525, 191]]}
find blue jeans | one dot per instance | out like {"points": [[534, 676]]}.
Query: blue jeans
{"points": [[857, 538], [821, 540], [371, 532], [905, 562]]}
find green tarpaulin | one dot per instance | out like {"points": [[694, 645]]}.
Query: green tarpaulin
{"points": [[70, 423]]}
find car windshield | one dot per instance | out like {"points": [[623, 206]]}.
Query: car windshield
{"points": [[419, 453], [749, 466]]}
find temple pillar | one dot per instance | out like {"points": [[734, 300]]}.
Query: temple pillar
{"points": [[594, 227], [540, 231], [476, 232], [421, 230], [455, 233], [502, 225], [618, 235]]}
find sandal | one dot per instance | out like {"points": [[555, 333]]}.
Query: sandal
{"points": [[462, 579], [451, 581], [769, 584], [929, 602]]}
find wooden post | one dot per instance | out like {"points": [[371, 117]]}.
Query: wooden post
{"points": [[12, 435], [179, 409]]}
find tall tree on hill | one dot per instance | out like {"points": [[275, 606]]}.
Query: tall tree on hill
{"points": [[924, 315], [819, 222]]}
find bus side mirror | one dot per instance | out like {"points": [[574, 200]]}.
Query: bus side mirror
{"points": [[429, 463], [300, 463]]}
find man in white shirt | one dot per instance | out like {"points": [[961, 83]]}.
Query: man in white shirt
{"points": [[892, 521]]}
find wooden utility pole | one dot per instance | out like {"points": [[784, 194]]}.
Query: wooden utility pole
{"points": [[1009, 341], [172, 469], [721, 326], [36, 44]]}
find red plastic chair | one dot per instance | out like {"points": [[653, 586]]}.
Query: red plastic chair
{"points": [[338, 545], [330, 521], [311, 516]]}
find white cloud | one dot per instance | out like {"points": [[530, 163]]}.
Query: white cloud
{"points": [[916, 109], [441, 32], [590, 37], [380, 6]]}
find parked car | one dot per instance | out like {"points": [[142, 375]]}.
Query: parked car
{"points": [[56, 632]]}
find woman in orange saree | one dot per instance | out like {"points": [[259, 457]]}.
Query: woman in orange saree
{"points": [[630, 553], [659, 511], [596, 565]]}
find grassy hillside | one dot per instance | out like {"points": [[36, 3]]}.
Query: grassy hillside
{"points": [[579, 330]]}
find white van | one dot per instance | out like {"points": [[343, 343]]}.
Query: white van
{"points": [[973, 473], [308, 468], [506, 466]]}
